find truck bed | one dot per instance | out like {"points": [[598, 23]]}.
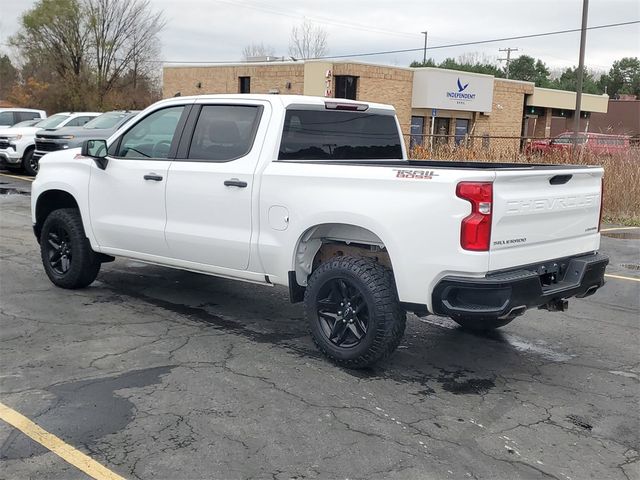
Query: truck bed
{"points": [[443, 164]]}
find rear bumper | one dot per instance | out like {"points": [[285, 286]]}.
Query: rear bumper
{"points": [[509, 293]]}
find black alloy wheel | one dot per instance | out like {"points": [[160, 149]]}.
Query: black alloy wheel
{"points": [[30, 164], [353, 312], [58, 249], [342, 312], [66, 253]]}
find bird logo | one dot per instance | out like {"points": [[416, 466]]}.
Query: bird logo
{"points": [[461, 88]]}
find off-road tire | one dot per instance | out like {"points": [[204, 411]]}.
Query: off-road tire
{"points": [[26, 163], [386, 318], [482, 324], [83, 264]]}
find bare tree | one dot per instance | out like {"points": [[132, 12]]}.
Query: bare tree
{"points": [[258, 50], [84, 53], [307, 41], [55, 31], [123, 35]]}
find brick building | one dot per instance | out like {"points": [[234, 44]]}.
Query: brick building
{"points": [[622, 118], [447, 103]]}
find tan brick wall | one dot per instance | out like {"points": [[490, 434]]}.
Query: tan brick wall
{"points": [[382, 85], [224, 79], [507, 112]]}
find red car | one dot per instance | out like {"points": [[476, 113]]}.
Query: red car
{"points": [[598, 143]]}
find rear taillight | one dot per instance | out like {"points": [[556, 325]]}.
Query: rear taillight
{"points": [[475, 231], [601, 202]]}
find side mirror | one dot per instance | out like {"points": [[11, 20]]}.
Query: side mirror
{"points": [[96, 149]]}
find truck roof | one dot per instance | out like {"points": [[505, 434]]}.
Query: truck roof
{"points": [[284, 100], [18, 109]]}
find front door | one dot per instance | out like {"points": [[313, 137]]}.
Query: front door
{"points": [[127, 198], [441, 130], [462, 128], [209, 193]]}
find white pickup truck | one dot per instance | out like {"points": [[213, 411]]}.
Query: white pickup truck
{"points": [[317, 194]]}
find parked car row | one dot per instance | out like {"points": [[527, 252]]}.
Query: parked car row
{"points": [[22, 144]]}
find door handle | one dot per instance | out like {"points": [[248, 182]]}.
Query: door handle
{"points": [[153, 176], [234, 182]]}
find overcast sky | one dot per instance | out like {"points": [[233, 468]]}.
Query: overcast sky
{"points": [[217, 30]]}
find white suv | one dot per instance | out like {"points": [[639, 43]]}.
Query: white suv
{"points": [[11, 116], [17, 144]]}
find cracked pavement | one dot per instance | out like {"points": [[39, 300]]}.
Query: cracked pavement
{"points": [[163, 374]]}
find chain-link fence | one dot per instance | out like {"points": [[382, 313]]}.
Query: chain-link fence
{"points": [[465, 146]]}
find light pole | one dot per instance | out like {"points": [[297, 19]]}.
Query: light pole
{"points": [[580, 73], [424, 54]]}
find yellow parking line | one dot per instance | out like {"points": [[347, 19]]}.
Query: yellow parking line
{"points": [[617, 228], [28, 179], [57, 446], [620, 277]]}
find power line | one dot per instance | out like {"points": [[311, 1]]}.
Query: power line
{"points": [[435, 47], [317, 19], [479, 42]]}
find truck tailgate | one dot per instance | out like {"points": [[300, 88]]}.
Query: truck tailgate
{"points": [[544, 214]]}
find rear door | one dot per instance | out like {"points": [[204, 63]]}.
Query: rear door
{"points": [[543, 214], [211, 182]]}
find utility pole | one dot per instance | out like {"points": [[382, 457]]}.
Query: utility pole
{"points": [[580, 72], [424, 54], [508, 59]]}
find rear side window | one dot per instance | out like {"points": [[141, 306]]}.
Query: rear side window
{"points": [[339, 135], [78, 121], [224, 132], [23, 116]]}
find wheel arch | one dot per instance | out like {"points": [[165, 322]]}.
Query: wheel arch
{"points": [[332, 239], [28, 148], [49, 201]]}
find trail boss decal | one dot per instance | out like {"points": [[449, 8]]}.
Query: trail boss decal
{"points": [[420, 174]]}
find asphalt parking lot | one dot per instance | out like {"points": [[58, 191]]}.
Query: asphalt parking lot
{"points": [[161, 374]]}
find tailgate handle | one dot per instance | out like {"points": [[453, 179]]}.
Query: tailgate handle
{"points": [[560, 179]]}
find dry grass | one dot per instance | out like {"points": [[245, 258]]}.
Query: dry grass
{"points": [[621, 171]]}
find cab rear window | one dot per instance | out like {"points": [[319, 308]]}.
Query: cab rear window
{"points": [[339, 135]]}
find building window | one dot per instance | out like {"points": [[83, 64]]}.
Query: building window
{"points": [[462, 128], [346, 86], [244, 84], [417, 131]]}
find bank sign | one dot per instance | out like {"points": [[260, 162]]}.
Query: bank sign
{"points": [[461, 96], [452, 90]]}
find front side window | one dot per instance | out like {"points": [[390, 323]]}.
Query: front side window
{"points": [[152, 136], [224, 132], [6, 118], [339, 135]]}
